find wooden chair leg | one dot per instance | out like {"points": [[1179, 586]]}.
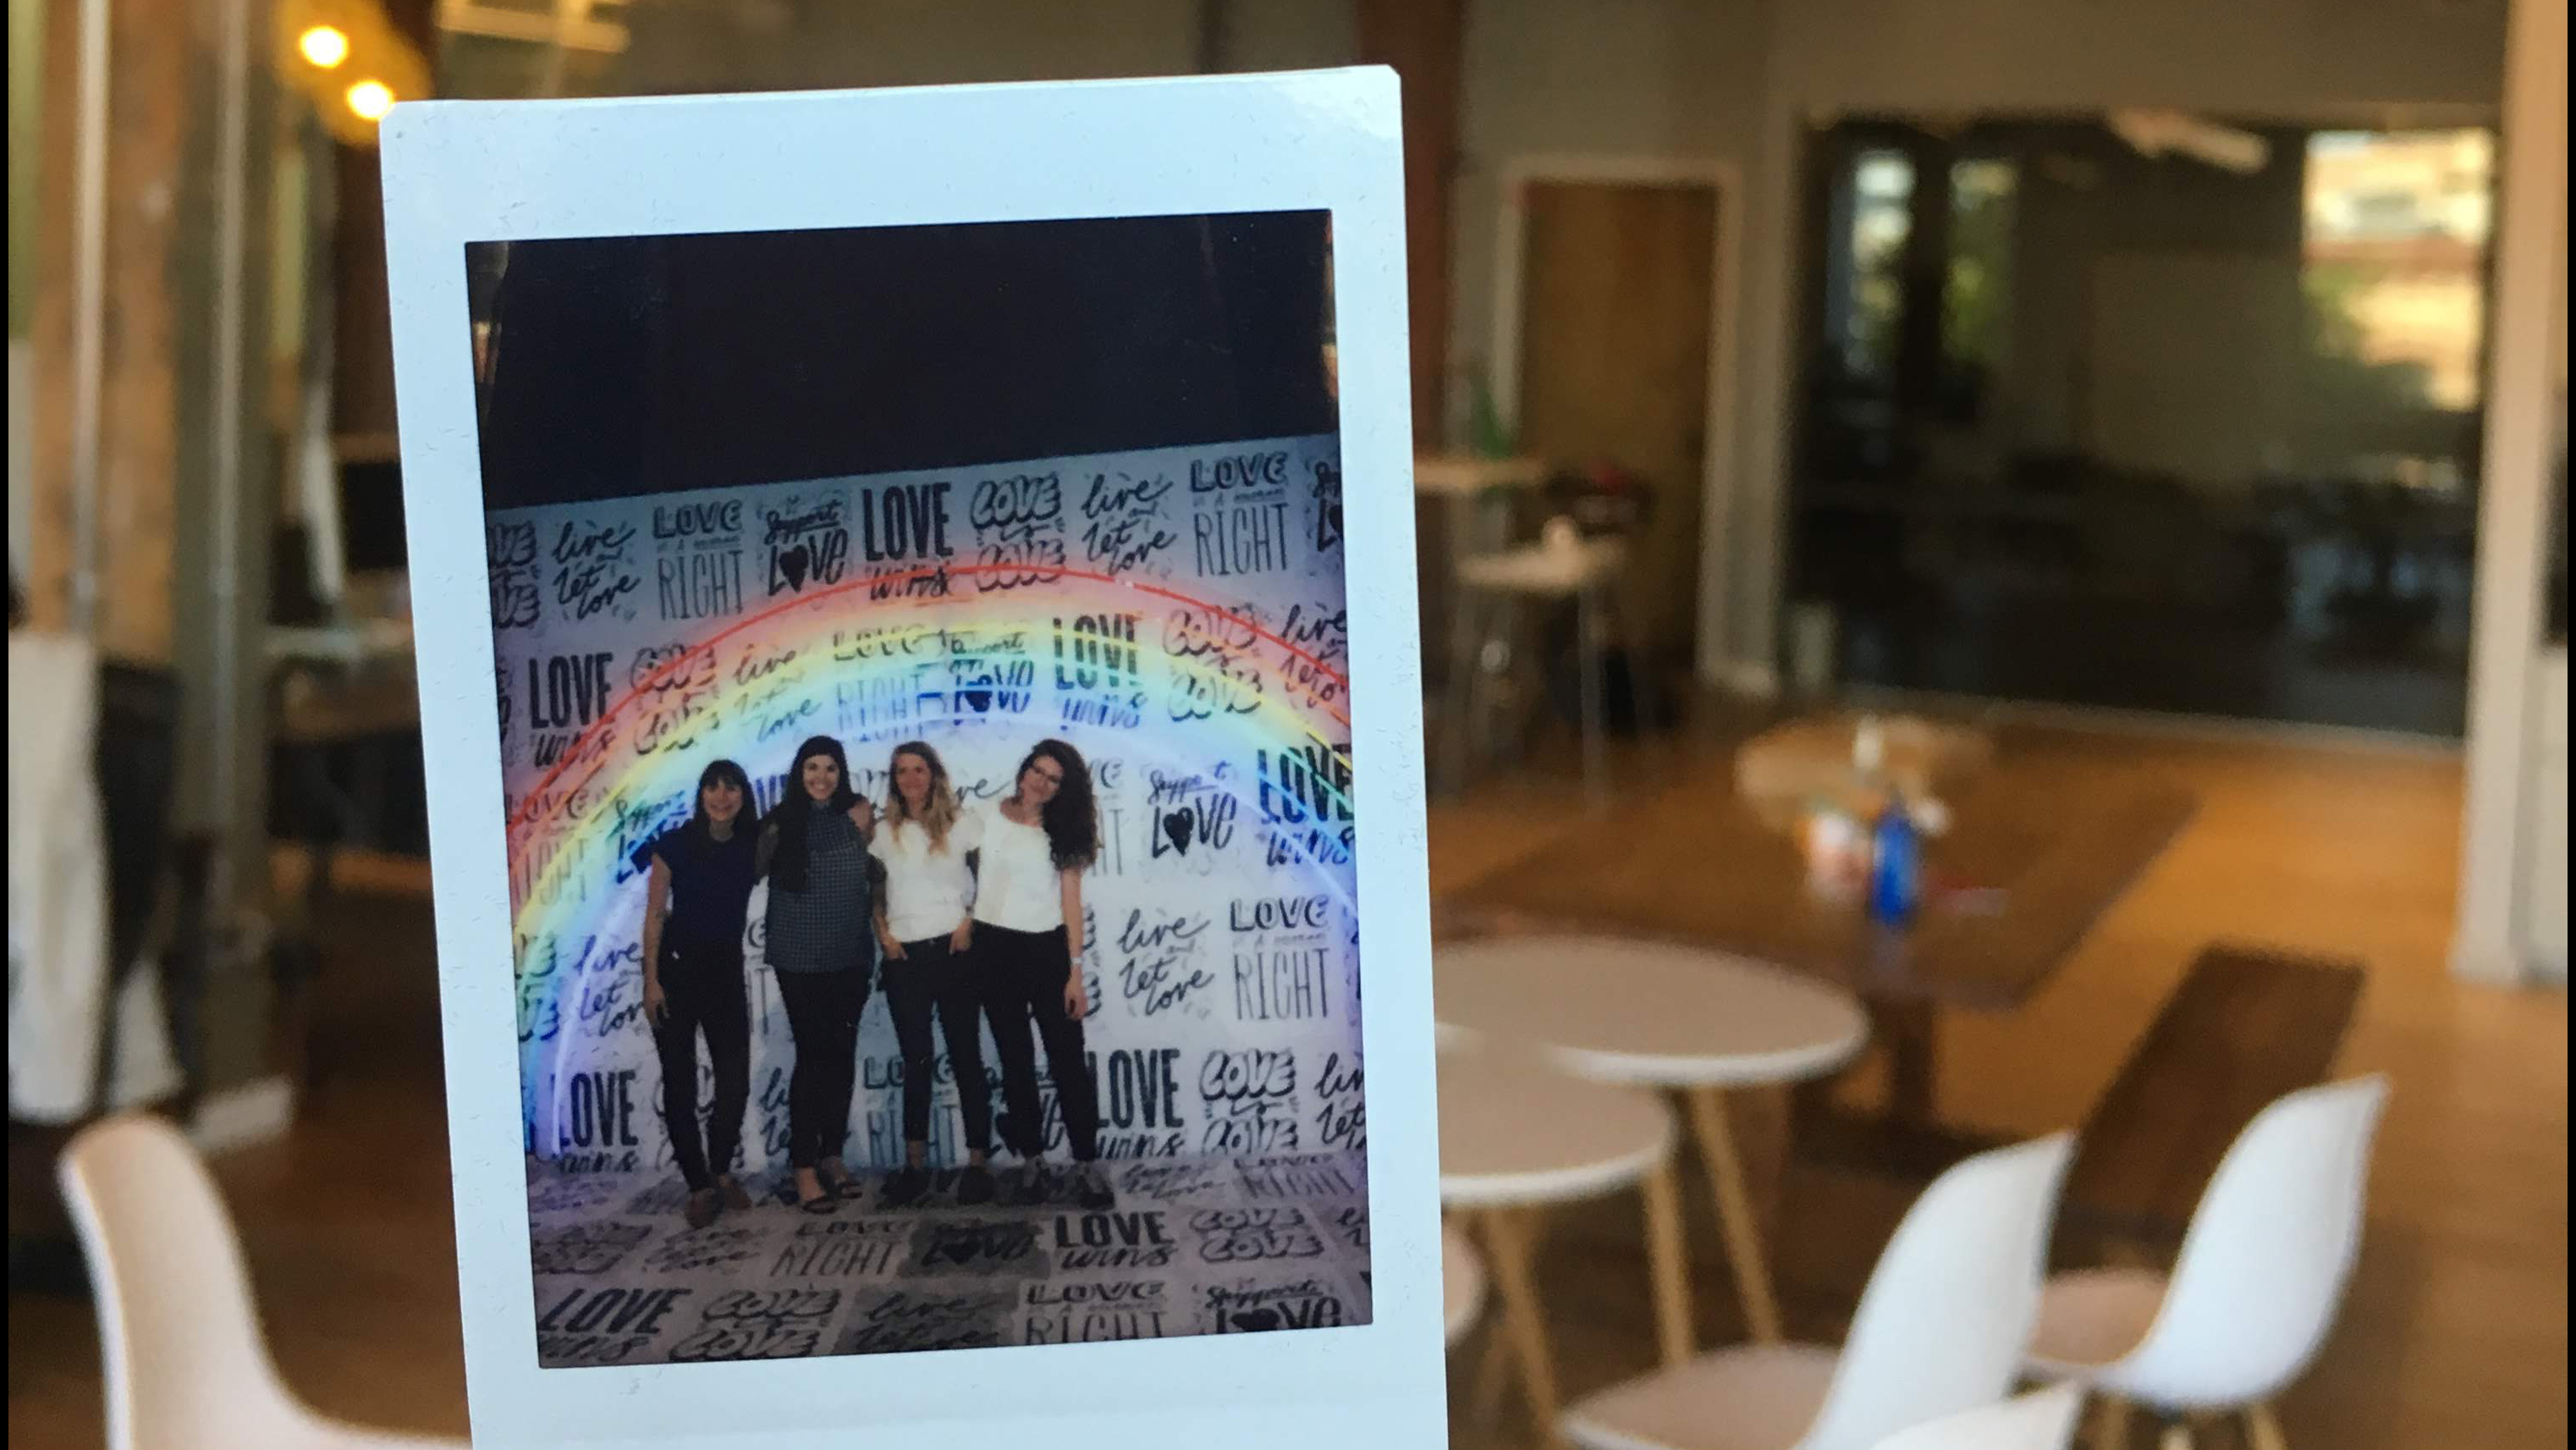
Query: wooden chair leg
{"points": [[1493, 1373], [1507, 1235], [2110, 1422], [1669, 1263], [2177, 1436], [2263, 1428], [1735, 1213]]}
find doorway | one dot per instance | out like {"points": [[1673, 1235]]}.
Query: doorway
{"points": [[1610, 354]]}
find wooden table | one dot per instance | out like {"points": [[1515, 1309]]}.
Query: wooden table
{"points": [[1695, 865]]}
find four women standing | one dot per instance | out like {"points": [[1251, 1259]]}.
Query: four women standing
{"points": [[843, 889]]}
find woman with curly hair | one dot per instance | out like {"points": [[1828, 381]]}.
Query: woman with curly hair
{"points": [[1027, 937]]}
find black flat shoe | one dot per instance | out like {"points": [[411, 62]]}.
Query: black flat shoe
{"points": [[1091, 1188], [975, 1186], [828, 1203], [1032, 1187], [905, 1188]]}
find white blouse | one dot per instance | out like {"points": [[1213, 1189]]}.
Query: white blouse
{"points": [[926, 890], [1021, 889]]}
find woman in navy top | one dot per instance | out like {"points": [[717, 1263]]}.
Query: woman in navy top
{"points": [[698, 889]]}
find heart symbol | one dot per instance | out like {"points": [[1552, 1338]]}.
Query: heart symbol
{"points": [[793, 563], [1256, 1320], [1177, 826]]}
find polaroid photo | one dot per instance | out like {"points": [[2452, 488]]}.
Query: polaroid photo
{"points": [[917, 644]]}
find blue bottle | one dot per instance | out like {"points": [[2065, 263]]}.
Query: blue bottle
{"points": [[1895, 883]]}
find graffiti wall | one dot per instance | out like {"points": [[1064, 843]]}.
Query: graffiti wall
{"points": [[1178, 615]]}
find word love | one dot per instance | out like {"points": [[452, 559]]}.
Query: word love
{"points": [[902, 521], [697, 520], [1282, 913]]}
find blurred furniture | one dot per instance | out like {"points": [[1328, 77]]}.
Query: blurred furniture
{"points": [[1517, 1138], [2057, 845], [340, 686], [1779, 772], [2257, 1286], [157, 921], [2244, 1028], [2040, 1420], [1671, 1019], [1471, 493], [179, 1333], [1941, 1329], [1499, 595], [1462, 1284]]}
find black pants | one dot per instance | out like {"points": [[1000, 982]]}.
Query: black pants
{"points": [[823, 1016], [702, 991], [928, 977], [1024, 977]]}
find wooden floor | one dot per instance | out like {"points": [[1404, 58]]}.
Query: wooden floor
{"points": [[2455, 1334]]}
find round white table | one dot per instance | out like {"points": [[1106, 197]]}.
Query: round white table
{"points": [[1648, 1015], [1518, 1137]]}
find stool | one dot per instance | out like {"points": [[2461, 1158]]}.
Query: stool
{"points": [[1518, 1137], [1495, 587], [1668, 1018], [1462, 1284]]}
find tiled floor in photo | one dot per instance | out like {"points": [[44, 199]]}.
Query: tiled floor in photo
{"points": [[1191, 1246]]}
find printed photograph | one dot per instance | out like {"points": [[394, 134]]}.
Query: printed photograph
{"points": [[922, 660]]}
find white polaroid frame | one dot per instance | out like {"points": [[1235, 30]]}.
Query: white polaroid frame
{"points": [[460, 172]]}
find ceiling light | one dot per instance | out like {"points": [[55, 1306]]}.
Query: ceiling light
{"points": [[370, 100], [323, 46]]}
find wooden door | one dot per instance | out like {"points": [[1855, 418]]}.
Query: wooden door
{"points": [[1616, 283]]}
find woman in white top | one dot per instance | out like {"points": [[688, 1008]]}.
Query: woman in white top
{"points": [[1028, 946], [928, 847]]}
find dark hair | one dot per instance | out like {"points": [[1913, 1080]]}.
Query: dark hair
{"points": [[723, 772], [795, 810], [1072, 818]]}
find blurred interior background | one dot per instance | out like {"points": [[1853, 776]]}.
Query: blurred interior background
{"points": [[2167, 392]]}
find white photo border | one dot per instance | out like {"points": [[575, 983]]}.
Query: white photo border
{"points": [[461, 172]]}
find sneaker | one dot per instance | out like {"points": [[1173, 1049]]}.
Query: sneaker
{"points": [[702, 1208], [975, 1185], [735, 1200], [1091, 1188], [1033, 1185], [905, 1187]]}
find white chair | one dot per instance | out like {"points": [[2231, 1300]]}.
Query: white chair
{"points": [[2255, 1288], [178, 1331], [2040, 1420], [1462, 1283], [1940, 1330]]}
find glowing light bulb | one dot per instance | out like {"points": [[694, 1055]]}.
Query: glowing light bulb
{"points": [[371, 99], [323, 46]]}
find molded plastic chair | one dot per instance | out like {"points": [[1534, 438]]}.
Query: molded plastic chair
{"points": [[1462, 1283], [2256, 1286], [1940, 1330], [2041, 1420], [178, 1331]]}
